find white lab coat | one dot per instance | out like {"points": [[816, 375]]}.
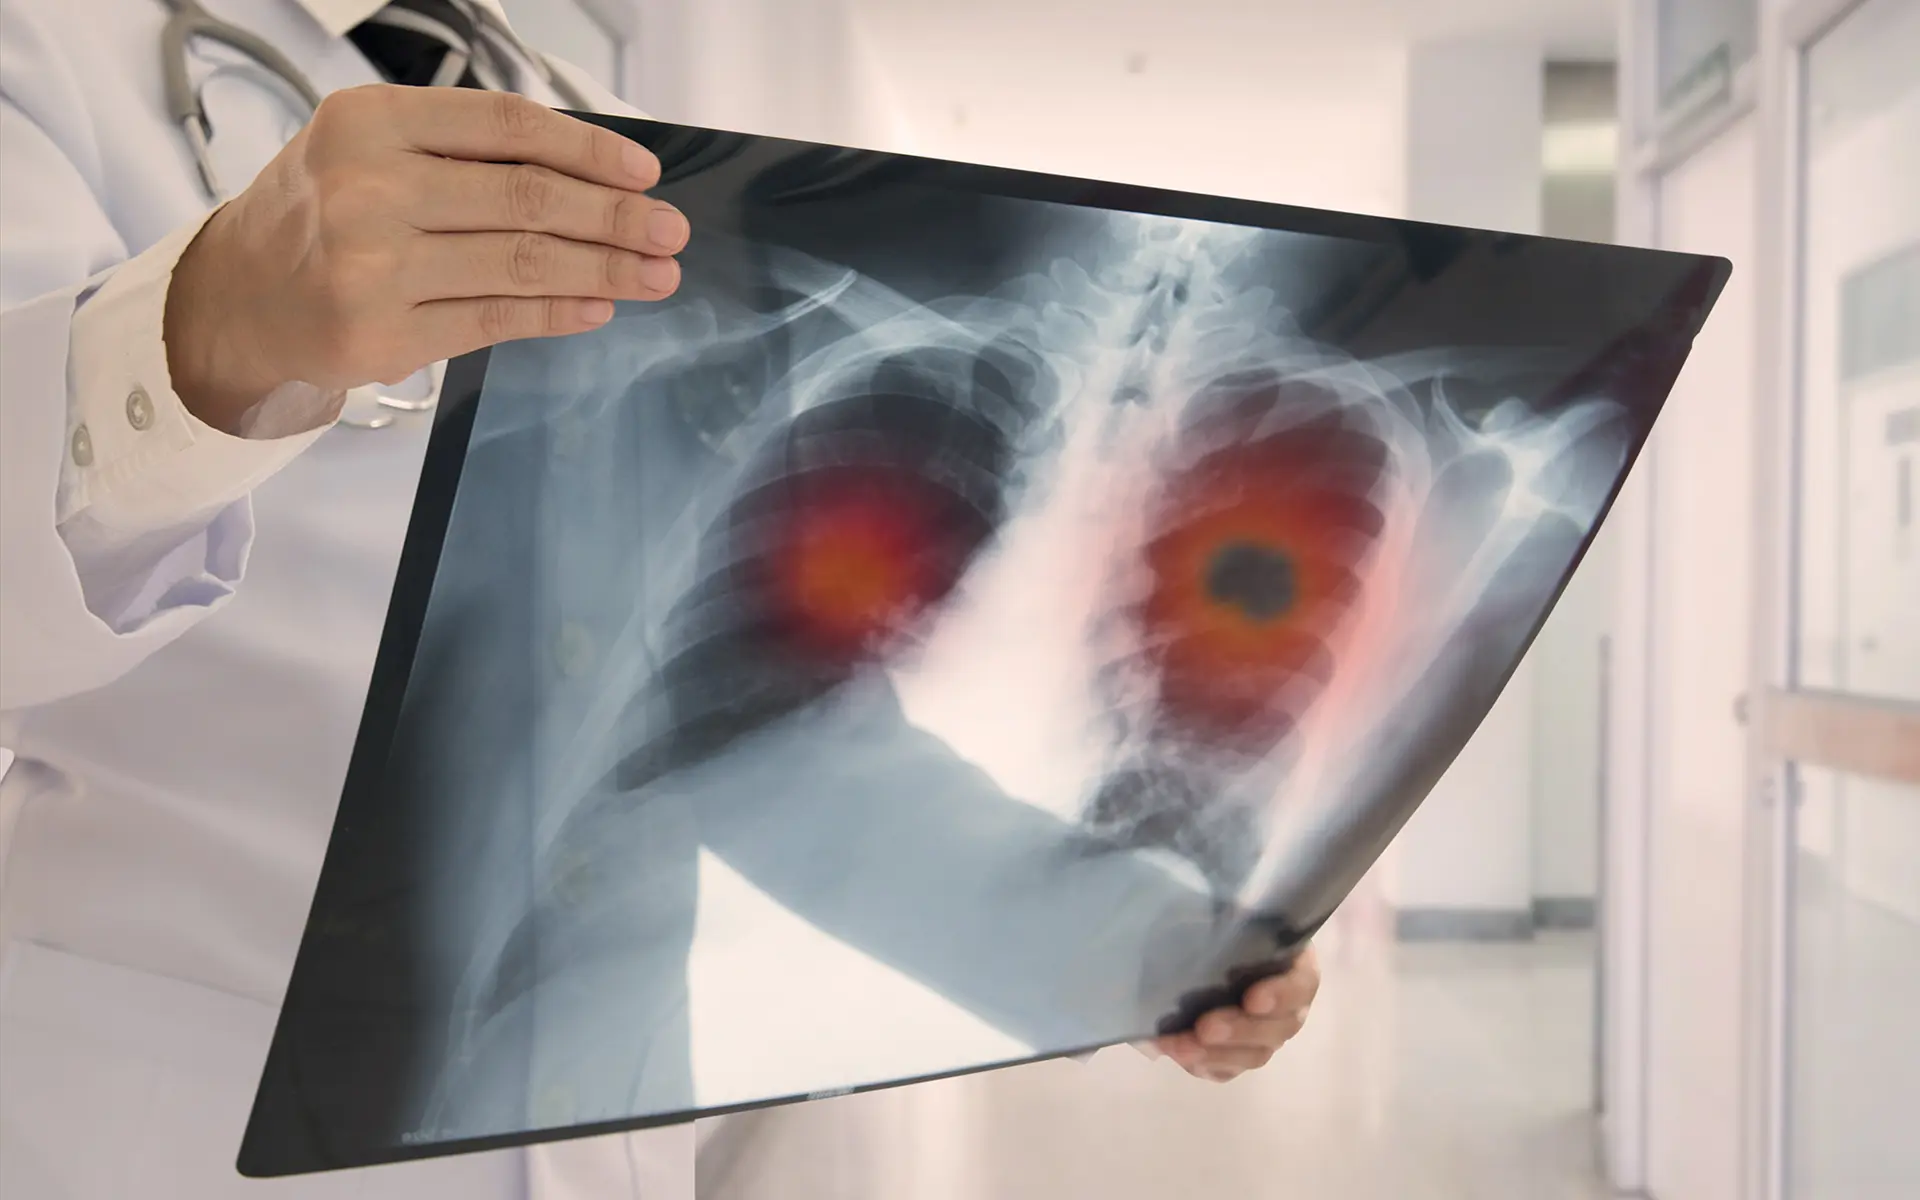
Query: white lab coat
{"points": [[163, 824]]}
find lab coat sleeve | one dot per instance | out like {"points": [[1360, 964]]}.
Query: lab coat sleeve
{"points": [[145, 468], [122, 520]]}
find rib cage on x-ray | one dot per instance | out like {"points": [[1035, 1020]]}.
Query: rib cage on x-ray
{"points": [[967, 403], [964, 406], [981, 616], [952, 418], [963, 415]]}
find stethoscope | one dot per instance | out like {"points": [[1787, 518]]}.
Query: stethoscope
{"points": [[190, 20]]}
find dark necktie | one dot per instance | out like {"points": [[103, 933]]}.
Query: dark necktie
{"points": [[429, 43]]}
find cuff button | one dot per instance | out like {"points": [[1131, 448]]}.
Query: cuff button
{"points": [[82, 447], [139, 409]]}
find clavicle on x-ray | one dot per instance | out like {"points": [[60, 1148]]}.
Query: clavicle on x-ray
{"points": [[963, 626]]}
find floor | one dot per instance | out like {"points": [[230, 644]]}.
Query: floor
{"points": [[1428, 1072]]}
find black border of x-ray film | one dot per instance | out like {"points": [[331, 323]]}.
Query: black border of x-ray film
{"points": [[272, 1143]]}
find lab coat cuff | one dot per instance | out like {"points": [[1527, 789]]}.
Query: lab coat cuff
{"points": [[137, 460]]}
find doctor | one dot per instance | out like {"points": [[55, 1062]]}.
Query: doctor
{"points": [[194, 391]]}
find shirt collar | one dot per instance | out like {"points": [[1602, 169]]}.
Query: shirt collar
{"points": [[338, 16]]}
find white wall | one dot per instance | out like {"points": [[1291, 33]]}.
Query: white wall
{"points": [[1473, 152], [787, 68], [1566, 735], [1475, 116], [1317, 123], [1469, 849]]}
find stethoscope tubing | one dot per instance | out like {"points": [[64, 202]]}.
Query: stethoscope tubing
{"points": [[190, 20]]}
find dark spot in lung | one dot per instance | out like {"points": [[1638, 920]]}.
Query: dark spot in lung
{"points": [[1258, 580]]}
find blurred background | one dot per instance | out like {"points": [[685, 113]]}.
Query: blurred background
{"points": [[1658, 932]]}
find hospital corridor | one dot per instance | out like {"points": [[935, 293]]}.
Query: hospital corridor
{"points": [[1655, 933], [689, 599]]}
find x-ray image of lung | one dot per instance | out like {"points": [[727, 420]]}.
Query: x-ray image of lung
{"points": [[981, 617]]}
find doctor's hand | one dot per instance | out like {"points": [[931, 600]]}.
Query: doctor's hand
{"points": [[1226, 1042], [403, 226]]}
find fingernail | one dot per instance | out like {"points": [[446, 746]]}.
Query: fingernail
{"points": [[660, 274], [596, 312], [1213, 1032], [668, 229], [640, 163]]}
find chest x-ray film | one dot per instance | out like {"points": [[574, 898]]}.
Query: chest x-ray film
{"points": [[981, 617]]}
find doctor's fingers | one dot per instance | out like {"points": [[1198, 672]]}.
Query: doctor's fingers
{"points": [[1218, 1063], [452, 197], [1281, 993], [497, 127], [1233, 1027], [444, 329], [449, 266]]}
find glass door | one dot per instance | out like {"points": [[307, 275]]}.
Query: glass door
{"points": [[1837, 659]]}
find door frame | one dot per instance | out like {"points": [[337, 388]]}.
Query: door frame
{"points": [[1655, 144], [1852, 734], [1785, 725]]}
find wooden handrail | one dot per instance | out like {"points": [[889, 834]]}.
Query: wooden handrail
{"points": [[1859, 736]]}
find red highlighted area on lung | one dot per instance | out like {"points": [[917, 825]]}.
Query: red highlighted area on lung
{"points": [[1255, 561]]}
